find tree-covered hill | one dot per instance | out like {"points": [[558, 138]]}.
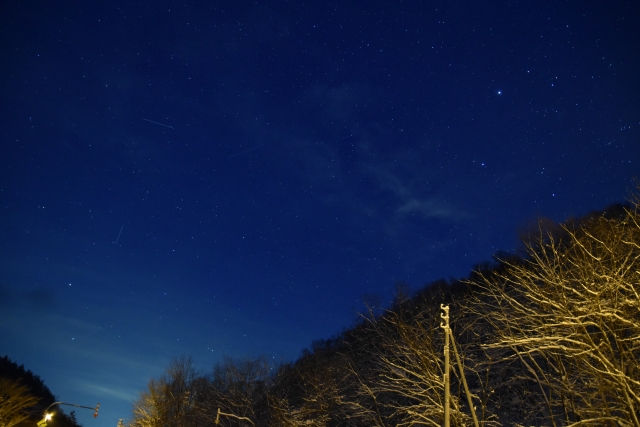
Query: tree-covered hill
{"points": [[546, 335]]}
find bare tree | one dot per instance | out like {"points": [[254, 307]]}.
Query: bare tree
{"points": [[312, 407], [170, 401], [316, 395], [569, 315], [406, 386], [239, 387], [15, 402], [234, 394]]}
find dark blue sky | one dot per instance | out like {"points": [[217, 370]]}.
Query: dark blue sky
{"points": [[231, 178]]}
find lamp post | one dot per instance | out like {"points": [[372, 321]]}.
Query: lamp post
{"points": [[48, 415]]}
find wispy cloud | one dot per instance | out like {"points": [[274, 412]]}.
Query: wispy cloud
{"points": [[430, 208], [36, 297], [411, 192], [118, 392]]}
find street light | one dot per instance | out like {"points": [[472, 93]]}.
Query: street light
{"points": [[48, 415]]}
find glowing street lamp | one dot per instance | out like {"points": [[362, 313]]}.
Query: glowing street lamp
{"points": [[48, 415]]}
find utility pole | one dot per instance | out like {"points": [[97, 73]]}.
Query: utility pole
{"points": [[447, 334], [464, 381], [446, 328]]}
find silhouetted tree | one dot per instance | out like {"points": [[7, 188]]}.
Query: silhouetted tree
{"points": [[171, 400]]}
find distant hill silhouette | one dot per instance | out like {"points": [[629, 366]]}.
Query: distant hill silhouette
{"points": [[11, 371]]}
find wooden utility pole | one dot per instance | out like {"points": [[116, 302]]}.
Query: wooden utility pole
{"points": [[447, 334], [445, 326]]}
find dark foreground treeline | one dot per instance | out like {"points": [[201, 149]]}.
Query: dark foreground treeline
{"points": [[24, 398], [549, 336]]}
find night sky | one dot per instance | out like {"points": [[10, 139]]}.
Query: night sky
{"points": [[236, 178]]}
